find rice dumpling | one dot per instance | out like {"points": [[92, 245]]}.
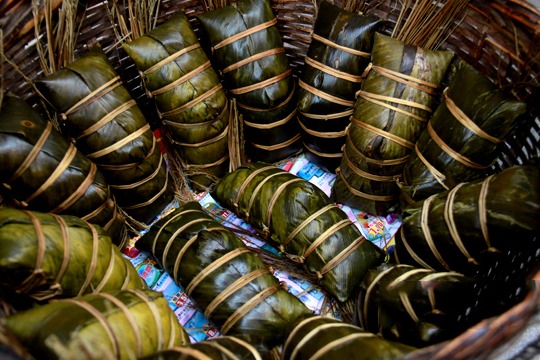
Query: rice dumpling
{"points": [[250, 56], [126, 324], [229, 282], [393, 107], [46, 255], [43, 171], [303, 221], [463, 138], [337, 57], [98, 113], [474, 223], [413, 305], [322, 337], [190, 99]]}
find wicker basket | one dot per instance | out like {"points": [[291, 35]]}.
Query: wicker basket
{"points": [[499, 38]]}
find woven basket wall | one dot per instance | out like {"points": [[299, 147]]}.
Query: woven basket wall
{"points": [[499, 38]]}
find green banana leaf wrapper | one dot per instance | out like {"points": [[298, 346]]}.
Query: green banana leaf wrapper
{"points": [[178, 75], [126, 324], [250, 56], [46, 256], [389, 116], [473, 224], [413, 305], [42, 171], [323, 337], [303, 221], [226, 280], [472, 120], [218, 348], [337, 57], [100, 116]]}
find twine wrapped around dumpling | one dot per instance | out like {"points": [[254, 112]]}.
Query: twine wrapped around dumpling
{"points": [[303, 221], [43, 171], [474, 223], [126, 324], [105, 123], [229, 282], [327, 338], [413, 305], [338, 54], [189, 97], [218, 348], [45, 256], [463, 138], [251, 58], [392, 109]]}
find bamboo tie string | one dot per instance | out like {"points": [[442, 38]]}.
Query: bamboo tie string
{"points": [[334, 72], [340, 47], [170, 58], [213, 267], [277, 146], [34, 279], [93, 96], [32, 154], [129, 317], [155, 314], [253, 58], [451, 152], [411, 252], [232, 288], [427, 232], [66, 249], [248, 306], [58, 171], [363, 194], [79, 192], [192, 103], [108, 273], [94, 259], [324, 95], [451, 224], [273, 124], [106, 119], [273, 201], [466, 121], [304, 223], [258, 188], [339, 258], [152, 199], [107, 327], [246, 183], [324, 236], [398, 140]]}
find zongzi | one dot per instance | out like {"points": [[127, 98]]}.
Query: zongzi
{"points": [[126, 324], [393, 107], [178, 75], [415, 306], [460, 229], [250, 56], [463, 138], [302, 219], [104, 121], [46, 255], [339, 52], [43, 171], [229, 282]]}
